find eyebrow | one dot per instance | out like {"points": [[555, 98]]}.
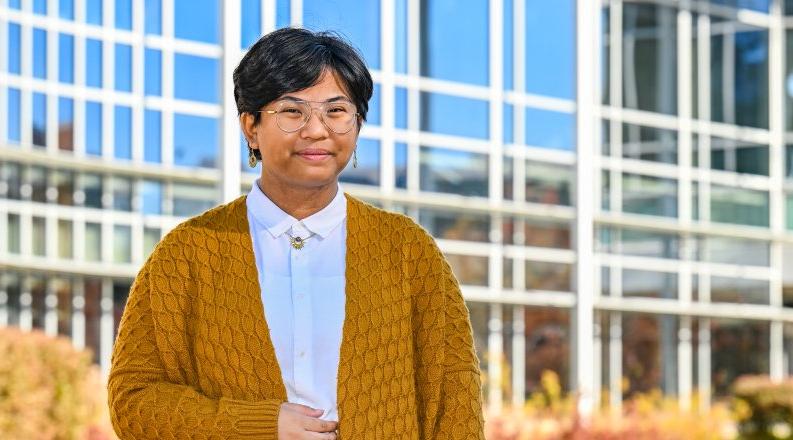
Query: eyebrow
{"points": [[334, 99]]}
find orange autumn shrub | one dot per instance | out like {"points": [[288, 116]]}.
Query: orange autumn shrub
{"points": [[48, 390], [764, 407], [550, 414]]}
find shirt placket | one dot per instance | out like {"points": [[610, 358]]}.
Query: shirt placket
{"points": [[302, 354]]}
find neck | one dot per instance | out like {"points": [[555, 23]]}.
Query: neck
{"points": [[296, 201]]}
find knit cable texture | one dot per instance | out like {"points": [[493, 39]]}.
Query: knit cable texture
{"points": [[194, 359]]}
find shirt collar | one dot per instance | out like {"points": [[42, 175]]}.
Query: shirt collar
{"points": [[277, 222]]}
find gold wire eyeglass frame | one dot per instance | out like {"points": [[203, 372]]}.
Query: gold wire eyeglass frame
{"points": [[322, 108]]}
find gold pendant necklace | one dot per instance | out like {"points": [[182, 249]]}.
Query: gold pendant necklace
{"points": [[298, 242]]}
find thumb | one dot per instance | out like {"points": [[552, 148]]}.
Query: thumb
{"points": [[306, 410]]}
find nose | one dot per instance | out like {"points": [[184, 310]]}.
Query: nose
{"points": [[315, 127]]}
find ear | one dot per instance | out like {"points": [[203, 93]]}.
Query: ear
{"points": [[360, 124], [249, 129]]}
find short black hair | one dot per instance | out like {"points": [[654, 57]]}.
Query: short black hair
{"points": [[291, 59]]}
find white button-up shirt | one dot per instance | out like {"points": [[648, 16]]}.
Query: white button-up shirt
{"points": [[303, 294]]}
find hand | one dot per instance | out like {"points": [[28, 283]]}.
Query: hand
{"points": [[301, 422]]}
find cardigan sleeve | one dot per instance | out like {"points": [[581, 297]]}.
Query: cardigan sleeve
{"points": [[453, 398], [145, 404]]}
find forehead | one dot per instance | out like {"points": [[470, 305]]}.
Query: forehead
{"points": [[327, 87]]}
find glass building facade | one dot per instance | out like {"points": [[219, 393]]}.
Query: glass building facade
{"points": [[611, 181]]}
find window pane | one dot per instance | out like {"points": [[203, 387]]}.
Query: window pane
{"points": [[39, 119], [93, 242], [649, 195], [91, 186], [541, 275], [548, 337], [734, 250], [122, 194], [647, 284], [368, 171], [401, 36], [191, 71], [93, 128], [738, 156], [637, 242], [123, 12], [452, 225], [739, 206], [283, 14], [401, 165], [40, 7], [550, 48], [123, 68], [11, 174], [649, 143], [66, 9], [550, 129], [39, 53], [93, 63], [152, 132], [470, 270], [93, 12], [190, 200], [153, 17], [122, 244], [649, 46], [649, 353], [151, 236], [151, 193], [509, 45], [401, 108], [373, 114], [251, 22], [739, 74], [455, 172], [738, 290], [13, 236], [789, 72], [122, 145], [509, 123], [37, 177], [196, 140], [65, 238], [14, 116], [454, 115], [14, 48], [548, 183], [536, 233], [449, 34], [508, 182], [738, 347], [65, 124], [153, 72], [66, 58], [197, 20], [38, 236], [358, 21]]}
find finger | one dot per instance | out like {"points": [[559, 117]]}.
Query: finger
{"points": [[306, 410], [321, 435], [319, 425]]}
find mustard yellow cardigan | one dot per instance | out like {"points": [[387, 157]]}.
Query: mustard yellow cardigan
{"points": [[194, 359]]}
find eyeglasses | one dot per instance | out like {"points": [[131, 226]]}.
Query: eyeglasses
{"points": [[292, 115]]}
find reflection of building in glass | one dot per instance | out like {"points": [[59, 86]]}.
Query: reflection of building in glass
{"points": [[118, 122]]}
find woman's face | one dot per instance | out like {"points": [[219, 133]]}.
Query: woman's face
{"points": [[312, 156]]}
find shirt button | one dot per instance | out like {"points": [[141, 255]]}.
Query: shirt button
{"points": [[301, 353], [300, 296]]}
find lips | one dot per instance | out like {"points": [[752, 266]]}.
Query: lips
{"points": [[314, 154]]}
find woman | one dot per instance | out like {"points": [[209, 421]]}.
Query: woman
{"points": [[297, 311]]}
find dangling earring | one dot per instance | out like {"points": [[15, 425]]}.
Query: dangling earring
{"points": [[355, 157], [251, 158]]}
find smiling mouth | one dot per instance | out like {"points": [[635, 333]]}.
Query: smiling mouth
{"points": [[314, 155]]}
